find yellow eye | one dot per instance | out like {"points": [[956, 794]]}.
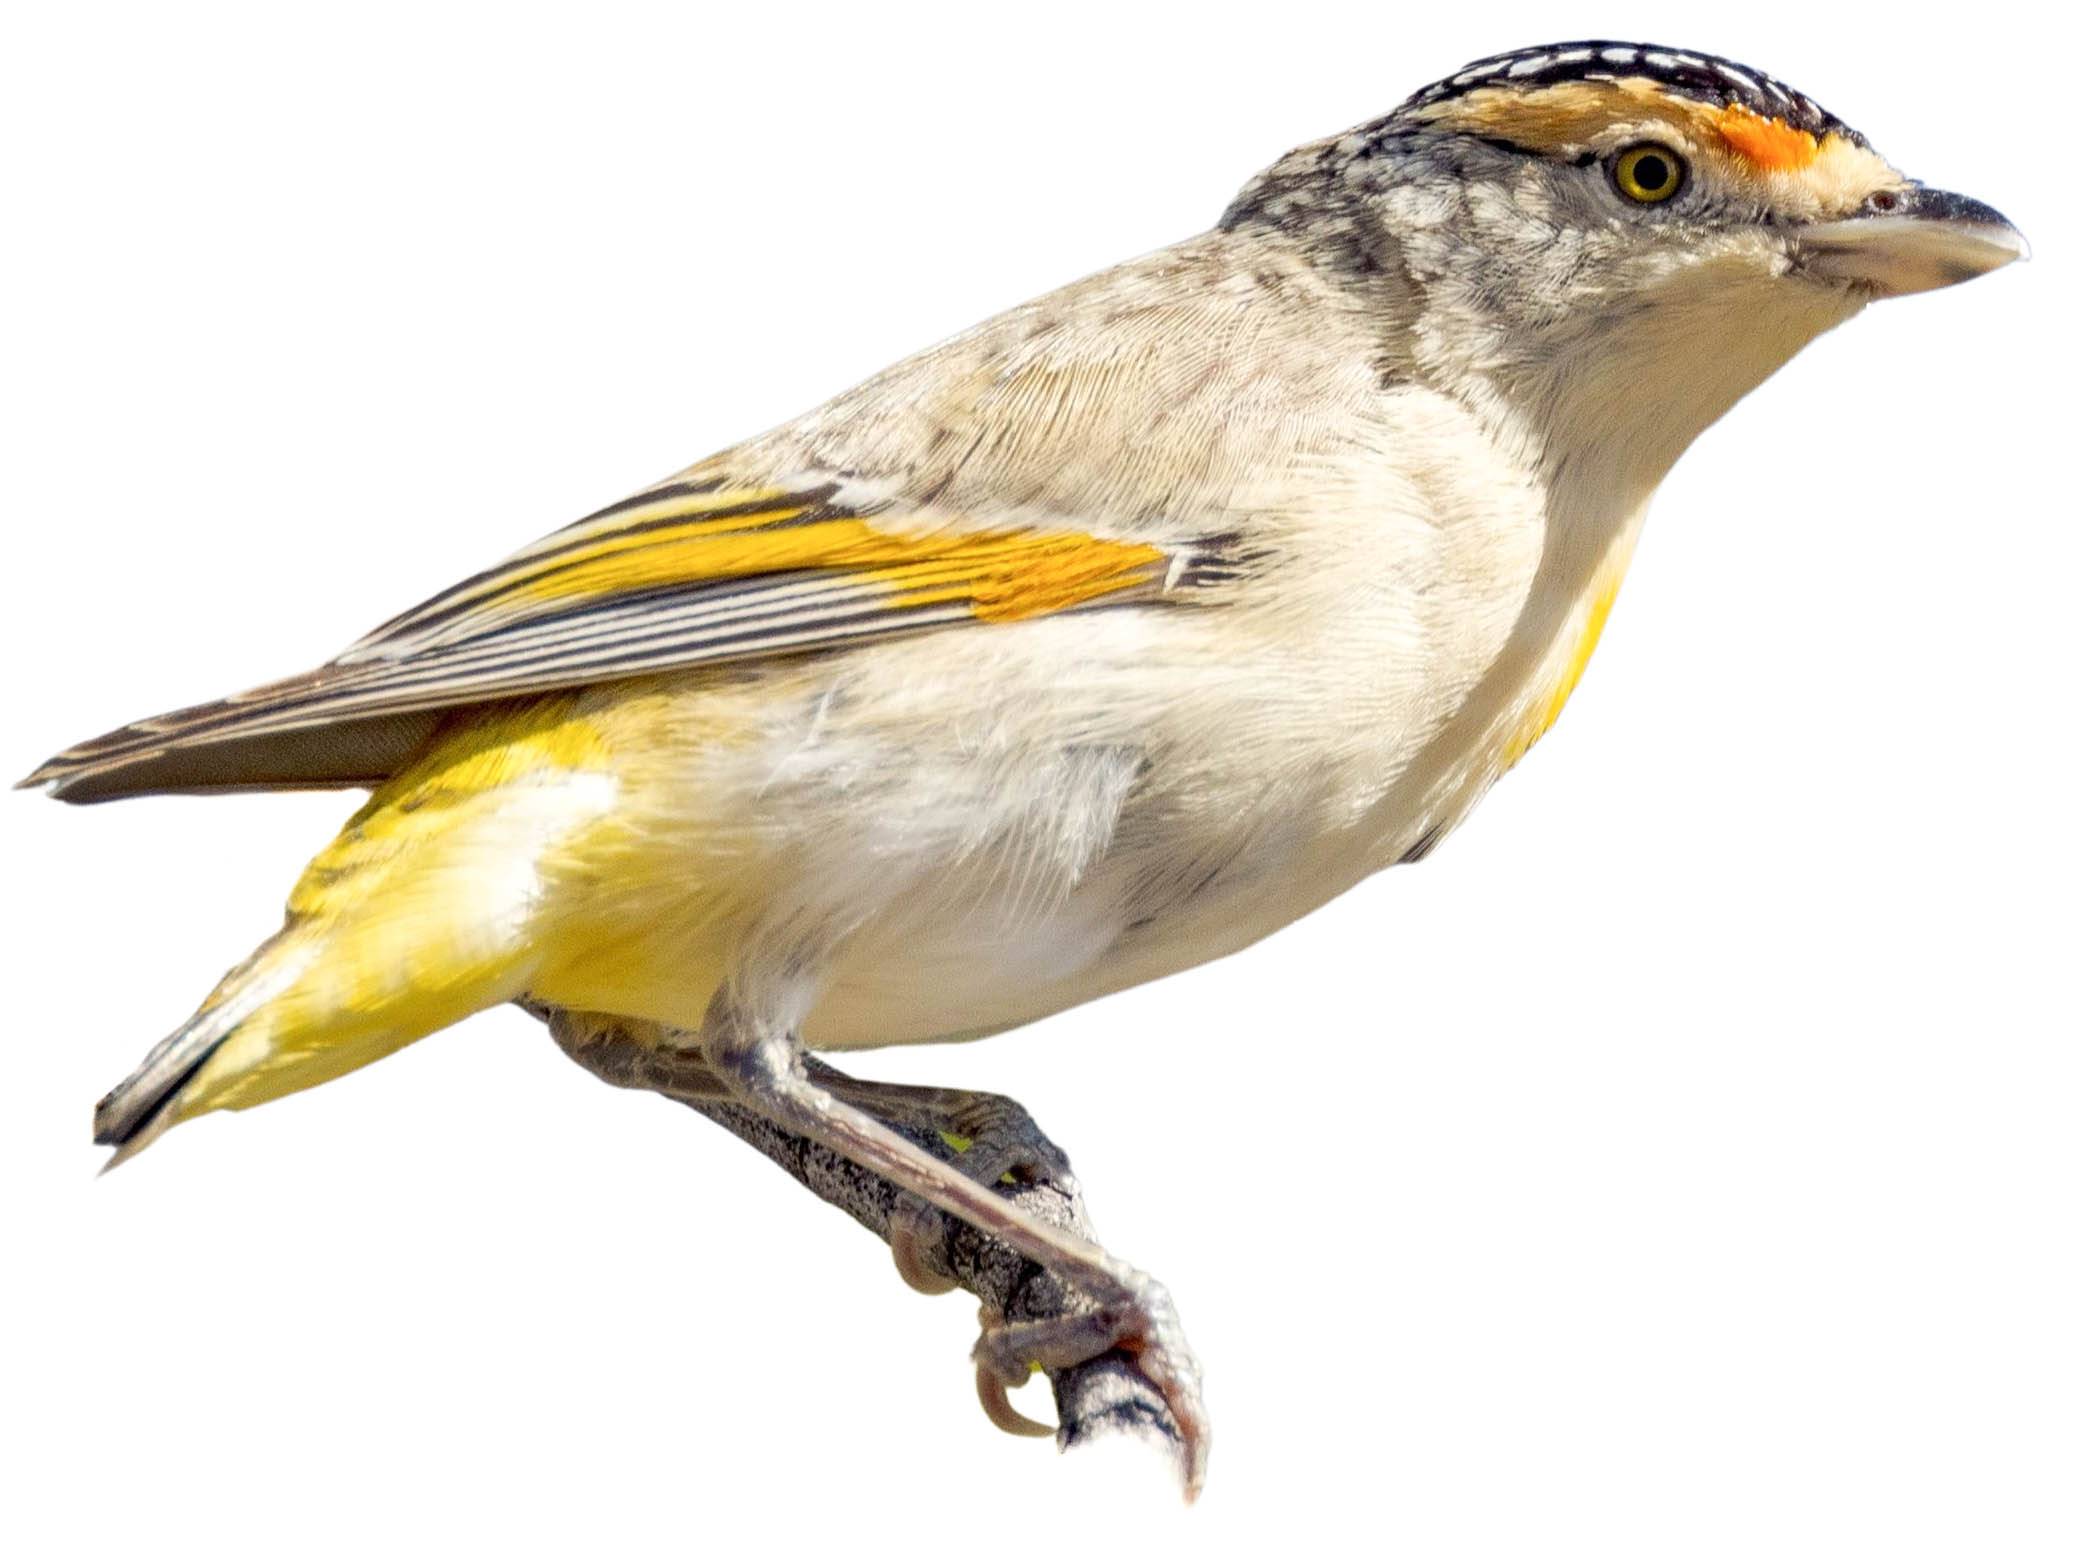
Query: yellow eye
{"points": [[1649, 174]]}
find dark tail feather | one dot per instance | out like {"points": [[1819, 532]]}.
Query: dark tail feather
{"points": [[139, 1109], [146, 1104]]}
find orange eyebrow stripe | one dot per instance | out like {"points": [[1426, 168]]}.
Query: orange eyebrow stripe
{"points": [[1771, 144]]}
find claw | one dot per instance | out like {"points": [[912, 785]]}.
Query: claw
{"points": [[994, 1384], [993, 1398], [1140, 1322], [905, 1241]]}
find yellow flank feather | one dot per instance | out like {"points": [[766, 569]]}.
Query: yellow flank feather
{"points": [[1583, 641], [421, 912], [505, 858]]}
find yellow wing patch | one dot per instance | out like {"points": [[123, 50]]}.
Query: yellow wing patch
{"points": [[689, 573], [1007, 576], [688, 536]]}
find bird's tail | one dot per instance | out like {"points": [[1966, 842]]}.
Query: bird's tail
{"points": [[146, 1103], [428, 907]]}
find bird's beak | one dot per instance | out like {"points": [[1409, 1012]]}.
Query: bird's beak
{"points": [[1911, 240]]}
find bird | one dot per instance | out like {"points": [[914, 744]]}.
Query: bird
{"points": [[1097, 642]]}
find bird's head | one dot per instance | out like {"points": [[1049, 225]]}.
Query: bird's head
{"points": [[1585, 221]]}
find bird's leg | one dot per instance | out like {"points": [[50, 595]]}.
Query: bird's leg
{"points": [[995, 1141], [610, 1051], [1109, 1394], [766, 1069], [993, 1137]]}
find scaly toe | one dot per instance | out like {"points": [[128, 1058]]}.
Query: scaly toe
{"points": [[1020, 1154], [1139, 1321]]}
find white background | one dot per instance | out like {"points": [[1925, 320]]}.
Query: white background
{"points": [[1679, 1161]]}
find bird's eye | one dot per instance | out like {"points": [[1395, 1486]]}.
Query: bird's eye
{"points": [[1649, 174]]}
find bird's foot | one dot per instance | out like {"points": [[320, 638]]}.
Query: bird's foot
{"points": [[1052, 1299], [1138, 1319], [996, 1142]]}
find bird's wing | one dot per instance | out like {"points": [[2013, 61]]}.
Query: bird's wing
{"points": [[694, 571]]}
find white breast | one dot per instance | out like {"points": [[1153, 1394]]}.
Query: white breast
{"points": [[1141, 791]]}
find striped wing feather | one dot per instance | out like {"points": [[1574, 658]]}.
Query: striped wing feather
{"points": [[688, 573]]}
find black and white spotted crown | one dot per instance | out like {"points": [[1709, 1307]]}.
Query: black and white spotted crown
{"points": [[1700, 77]]}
